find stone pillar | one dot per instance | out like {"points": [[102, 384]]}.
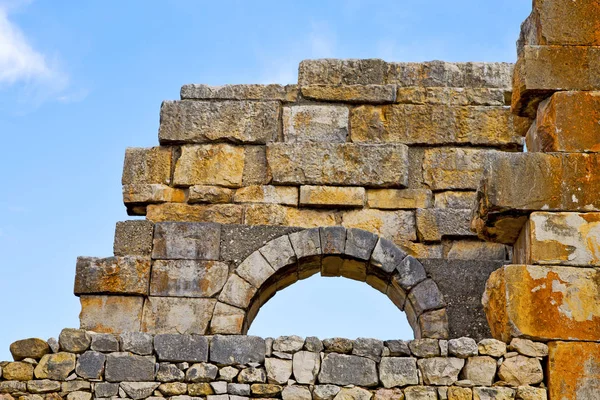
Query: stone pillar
{"points": [[546, 201]]}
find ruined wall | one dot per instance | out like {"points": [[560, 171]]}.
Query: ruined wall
{"points": [[82, 365]]}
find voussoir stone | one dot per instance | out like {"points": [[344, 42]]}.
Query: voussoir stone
{"points": [[229, 350], [74, 340], [410, 272], [398, 371], [29, 348], [360, 243], [208, 121], [178, 348], [440, 370], [126, 367], [342, 369]]}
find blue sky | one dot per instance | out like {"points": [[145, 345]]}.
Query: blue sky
{"points": [[81, 81]]}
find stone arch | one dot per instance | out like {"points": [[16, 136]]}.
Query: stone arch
{"points": [[332, 251]]}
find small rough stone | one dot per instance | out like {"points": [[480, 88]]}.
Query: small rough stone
{"points": [[201, 372], [238, 389], [288, 344], [137, 342], [325, 392], [492, 347], [252, 375], [106, 389], [200, 389], [462, 347], [43, 386], [370, 348], [296, 393], [104, 342], [74, 340], [398, 348], [528, 348], [177, 348], [17, 371], [440, 370], [138, 390], [480, 370], [90, 365], [230, 350], [29, 348], [278, 371], [318, 123], [169, 373], [494, 393], [398, 371], [126, 367], [306, 366], [521, 370], [314, 344], [55, 366], [420, 393], [341, 369], [355, 393], [338, 345], [265, 390]]}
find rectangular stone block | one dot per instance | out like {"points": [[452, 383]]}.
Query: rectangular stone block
{"points": [[567, 122], [275, 214], [209, 194], [256, 171], [239, 92], [209, 121], [147, 165], [543, 70], [177, 315], [111, 314], [286, 195], [345, 164], [434, 223], [342, 72], [451, 96], [452, 199], [543, 303], [559, 239], [454, 168], [373, 94], [181, 240], [476, 250], [181, 348], [120, 275], [432, 124], [332, 196], [180, 212], [210, 164], [133, 238], [565, 23], [127, 367], [516, 184], [187, 278], [573, 370], [315, 123], [393, 225], [143, 194], [399, 199]]}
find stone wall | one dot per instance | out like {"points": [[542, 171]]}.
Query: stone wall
{"points": [[82, 365]]}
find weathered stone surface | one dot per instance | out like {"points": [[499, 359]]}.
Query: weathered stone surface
{"points": [[341, 369], [143, 166], [325, 392], [556, 182], [353, 393], [451, 96], [209, 194], [397, 348], [186, 240], [397, 226], [239, 92], [227, 319], [228, 373], [543, 70], [180, 212], [399, 199], [332, 196], [239, 241], [76, 385], [288, 344], [573, 380], [78, 395], [252, 375], [29, 348], [433, 223], [452, 199], [386, 255], [559, 239], [187, 278], [426, 296], [480, 370], [208, 121], [315, 123], [237, 292], [338, 164], [90, 365], [374, 94], [173, 388], [306, 365], [434, 324], [296, 393], [278, 371], [566, 122], [360, 243], [388, 394], [369, 348], [440, 370], [177, 315], [265, 390], [521, 370], [17, 371], [492, 347], [410, 272], [142, 194], [434, 124], [287, 195], [7, 387], [55, 366], [177, 348], [126, 367], [137, 342], [210, 164], [454, 168], [200, 389], [43, 386], [238, 389], [201, 372], [279, 252], [424, 348], [531, 393], [543, 303], [138, 390], [342, 72], [462, 347], [133, 238], [275, 214], [169, 373], [495, 393], [106, 389], [74, 340], [230, 350], [561, 23], [121, 275], [255, 269], [477, 250], [398, 371], [528, 347], [420, 393], [111, 314], [460, 393]]}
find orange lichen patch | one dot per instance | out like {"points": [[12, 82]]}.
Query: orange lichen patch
{"points": [[332, 196], [544, 303], [179, 212], [574, 370]]}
